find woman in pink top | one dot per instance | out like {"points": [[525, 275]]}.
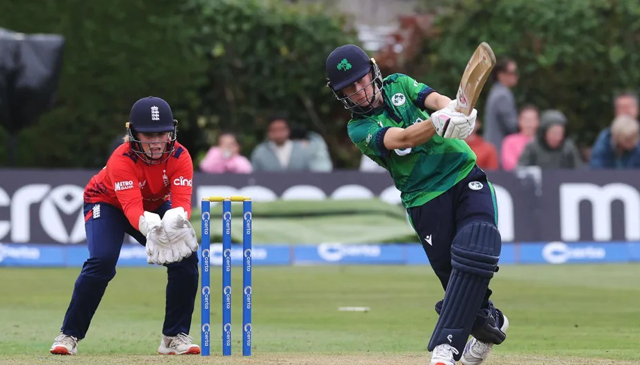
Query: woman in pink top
{"points": [[226, 157], [513, 144]]}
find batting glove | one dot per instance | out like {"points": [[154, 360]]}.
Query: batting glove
{"points": [[449, 123]]}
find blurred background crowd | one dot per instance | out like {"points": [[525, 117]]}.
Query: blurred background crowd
{"points": [[246, 78]]}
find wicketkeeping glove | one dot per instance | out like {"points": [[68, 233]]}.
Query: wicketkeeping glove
{"points": [[158, 249], [180, 233]]}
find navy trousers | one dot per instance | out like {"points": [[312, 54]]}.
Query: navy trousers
{"points": [[439, 220], [105, 226]]}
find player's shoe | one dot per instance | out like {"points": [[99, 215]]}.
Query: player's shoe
{"points": [[443, 355], [181, 344], [475, 352], [64, 345]]}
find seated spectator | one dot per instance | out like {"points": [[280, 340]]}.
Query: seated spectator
{"points": [[551, 149], [617, 147], [225, 157], [316, 146], [514, 144], [279, 152], [487, 156]]}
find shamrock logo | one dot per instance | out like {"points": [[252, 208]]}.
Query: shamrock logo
{"points": [[398, 99], [344, 65]]}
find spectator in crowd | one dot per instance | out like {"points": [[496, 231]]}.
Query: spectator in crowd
{"points": [[501, 115], [626, 104], [226, 157], [486, 153], [514, 144], [617, 147], [279, 152], [551, 149], [316, 147]]}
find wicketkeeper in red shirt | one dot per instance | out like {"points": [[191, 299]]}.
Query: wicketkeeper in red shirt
{"points": [[144, 190]]}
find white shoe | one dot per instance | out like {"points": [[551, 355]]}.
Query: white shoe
{"points": [[443, 355], [475, 352], [64, 345], [178, 345]]}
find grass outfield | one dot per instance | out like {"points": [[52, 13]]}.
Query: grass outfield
{"points": [[582, 314]]}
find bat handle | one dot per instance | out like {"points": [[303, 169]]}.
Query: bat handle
{"points": [[464, 110]]}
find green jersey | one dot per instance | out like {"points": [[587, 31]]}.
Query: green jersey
{"points": [[420, 173]]}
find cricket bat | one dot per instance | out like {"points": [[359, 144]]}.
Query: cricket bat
{"points": [[474, 77]]}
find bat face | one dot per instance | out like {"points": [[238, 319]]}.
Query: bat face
{"points": [[474, 77]]}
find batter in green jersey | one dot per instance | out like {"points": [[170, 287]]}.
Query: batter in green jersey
{"points": [[420, 172], [451, 204]]}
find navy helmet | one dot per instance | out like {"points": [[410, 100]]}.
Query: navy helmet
{"points": [[346, 65], [151, 115]]}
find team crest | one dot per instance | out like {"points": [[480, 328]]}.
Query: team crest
{"points": [[165, 178], [344, 65], [475, 185], [398, 99]]}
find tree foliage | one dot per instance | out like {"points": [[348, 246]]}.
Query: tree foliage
{"points": [[572, 55], [221, 65], [266, 57], [115, 52]]}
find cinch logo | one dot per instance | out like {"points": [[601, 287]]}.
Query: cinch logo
{"points": [[181, 181], [123, 185]]}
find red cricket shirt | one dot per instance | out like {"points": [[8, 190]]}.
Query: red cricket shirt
{"points": [[130, 184]]}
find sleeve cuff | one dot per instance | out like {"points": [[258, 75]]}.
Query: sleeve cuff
{"points": [[422, 96], [384, 152]]}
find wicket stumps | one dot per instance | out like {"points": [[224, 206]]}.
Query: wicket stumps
{"points": [[226, 274]]}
